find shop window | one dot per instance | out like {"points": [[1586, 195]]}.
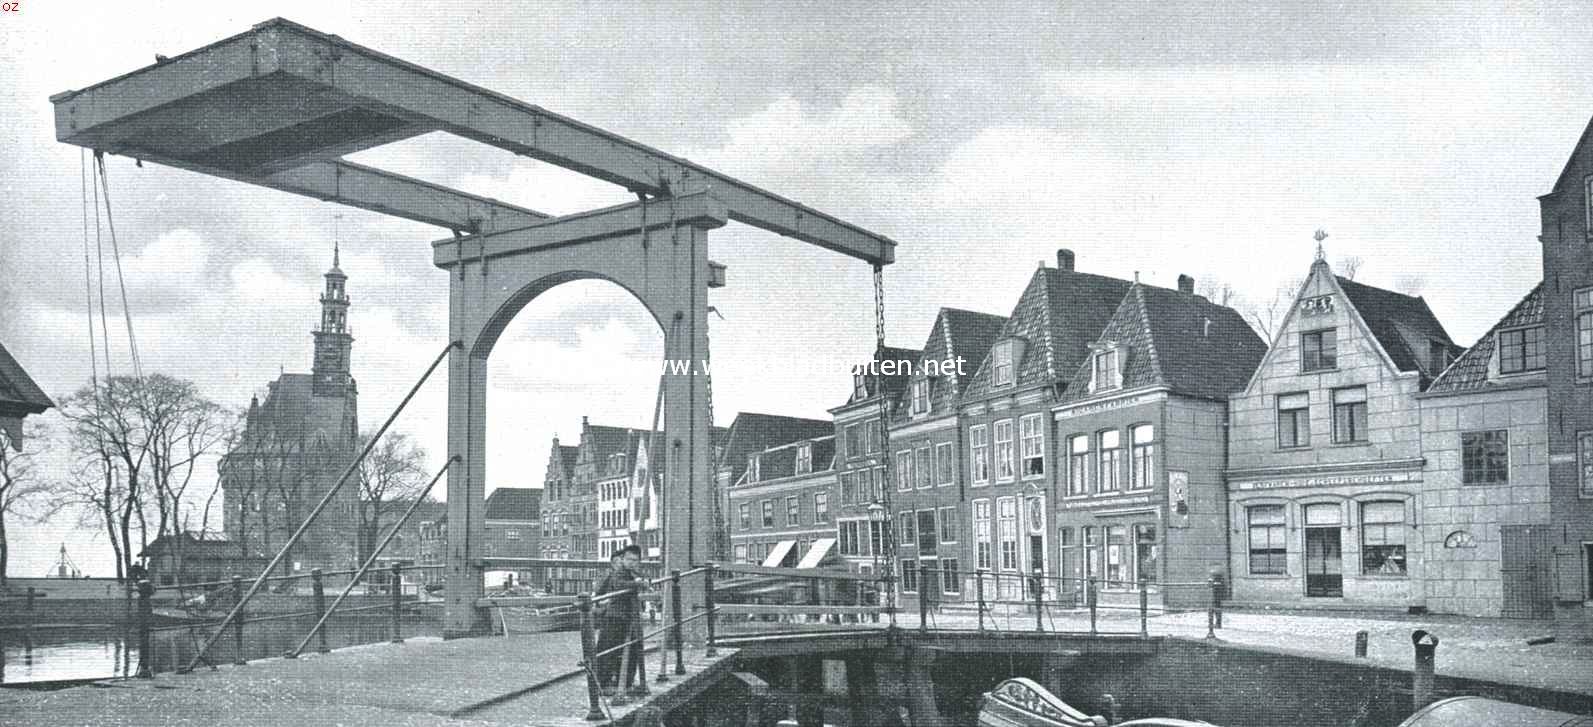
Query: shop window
{"points": [[1383, 538], [982, 541], [1485, 457], [1119, 566], [1294, 420], [1143, 469], [1147, 552], [1268, 546], [1092, 552], [1521, 350], [1319, 350], [979, 454], [1031, 430], [1108, 476], [1349, 415], [1078, 464]]}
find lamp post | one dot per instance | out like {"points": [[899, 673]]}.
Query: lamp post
{"points": [[876, 518]]}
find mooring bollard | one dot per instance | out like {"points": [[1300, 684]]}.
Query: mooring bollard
{"points": [[1360, 644], [320, 606], [1144, 606], [923, 597], [397, 585], [1426, 644], [979, 593], [1213, 614], [708, 603], [594, 710], [1089, 599], [1038, 589], [146, 668], [237, 623]]}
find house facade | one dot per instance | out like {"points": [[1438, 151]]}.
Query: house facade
{"points": [[1006, 422], [780, 508], [558, 487], [1141, 447], [864, 513], [1325, 457], [1484, 514], [1567, 241]]}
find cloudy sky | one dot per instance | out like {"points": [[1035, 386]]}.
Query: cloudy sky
{"points": [[1208, 139]]}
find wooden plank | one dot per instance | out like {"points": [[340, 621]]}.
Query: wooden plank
{"points": [[760, 609]]}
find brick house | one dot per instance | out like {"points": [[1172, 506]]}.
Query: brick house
{"points": [[1005, 414], [558, 486], [860, 468], [739, 472], [930, 491], [1485, 493], [1567, 216], [1325, 450], [780, 507], [1141, 445]]}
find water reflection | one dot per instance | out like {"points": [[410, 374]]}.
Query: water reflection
{"points": [[44, 655]]}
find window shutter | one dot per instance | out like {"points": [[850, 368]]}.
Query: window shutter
{"points": [[1568, 573]]}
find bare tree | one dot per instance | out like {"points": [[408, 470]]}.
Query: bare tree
{"points": [[390, 478], [1268, 315], [22, 491], [1218, 292], [1349, 266], [1410, 284]]}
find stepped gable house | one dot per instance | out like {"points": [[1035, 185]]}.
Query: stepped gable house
{"points": [[1141, 445]]}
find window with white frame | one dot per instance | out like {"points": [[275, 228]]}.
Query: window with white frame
{"points": [[1108, 476], [923, 469], [1521, 350], [904, 527], [1582, 308], [768, 513], [982, 541], [851, 540], [511, 534], [1006, 469], [793, 511], [804, 458], [745, 509], [950, 578], [945, 464], [1584, 450], [1001, 364], [752, 468], [821, 507], [1078, 464], [979, 454], [1105, 373], [948, 525], [1485, 457], [859, 386], [1031, 433], [1142, 470], [920, 396], [1007, 530], [1268, 543], [904, 470], [1383, 538]]}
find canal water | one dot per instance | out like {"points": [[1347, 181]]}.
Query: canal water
{"points": [[103, 652]]}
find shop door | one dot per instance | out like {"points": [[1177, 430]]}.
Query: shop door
{"points": [[1324, 563], [1523, 550]]}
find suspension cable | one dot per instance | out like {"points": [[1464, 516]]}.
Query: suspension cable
{"points": [[99, 264], [88, 284], [110, 224]]}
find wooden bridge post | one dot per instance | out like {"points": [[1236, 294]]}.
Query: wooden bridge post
{"points": [[1144, 607], [979, 592], [708, 603], [237, 623], [146, 667], [1038, 588], [1089, 598], [594, 710], [320, 606], [397, 586], [923, 597], [676, 633]]}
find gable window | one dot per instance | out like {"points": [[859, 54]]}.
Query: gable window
{"points": [[982, 543], [1349, 415], [1319, 350], [920, 396], [948, 525], [768, 513], [1485, 457], [1005, 469], [1032, 433], [1383, 538], [804, 459], [945, 464], [1108, 476], [1078, 464], [923, 469], [793, 511], [1106, 374], [1143, 465], [1001, 367], [821, 507], [1294, 420], [1521, 350], [979, 454], [1582, 307], [904, 470], [1268, 548]]}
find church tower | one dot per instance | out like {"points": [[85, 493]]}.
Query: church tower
{"points": [[333, 342]]}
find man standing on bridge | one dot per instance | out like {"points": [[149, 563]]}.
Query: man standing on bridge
{"points": [[620, 620]]}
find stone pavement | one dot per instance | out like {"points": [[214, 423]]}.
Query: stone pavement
{"points": [[419, 682]]}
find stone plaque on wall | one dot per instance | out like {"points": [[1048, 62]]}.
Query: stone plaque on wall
{"points": [[1178, 501]]}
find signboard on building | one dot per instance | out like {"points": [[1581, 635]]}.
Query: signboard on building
{"points": [[1377, 478], [1098, 407], [1178, 501]]}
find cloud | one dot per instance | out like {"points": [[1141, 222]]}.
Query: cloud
{"points": [[256, 282], [786, 137]]}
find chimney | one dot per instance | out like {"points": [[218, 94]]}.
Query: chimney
{"points": [[1064, 259], [1186, 285]]}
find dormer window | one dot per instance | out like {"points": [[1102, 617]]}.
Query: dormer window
{"points": [[1521, 350], [1438, 354], [1001, 363], [804, 458], [616, 463], [1106, 372], [752, 468], [920, 396], [859, 386]]}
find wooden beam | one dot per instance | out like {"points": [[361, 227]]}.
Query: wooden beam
{"points": [[760, 609], [799, 576], [382, 191]]}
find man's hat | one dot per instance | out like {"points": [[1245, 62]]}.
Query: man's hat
{"points": [[632, 548]]}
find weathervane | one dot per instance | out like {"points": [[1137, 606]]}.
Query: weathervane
{"points": [[1320, 235]]}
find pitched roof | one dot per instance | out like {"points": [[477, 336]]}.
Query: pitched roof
{"points": [[752, 432], [780, 461], [1060, 313], [514, 503], [17, 389], [1403, 324], [567, 455], [957, 333], [1469, 372]]}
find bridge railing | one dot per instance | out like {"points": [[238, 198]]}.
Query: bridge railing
{"points": [[752, 595], [1064, 604]]}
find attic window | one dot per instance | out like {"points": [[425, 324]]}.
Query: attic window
{"points": [[1438, 354], [752, 468], [1521, 350], [1106, 370], [920, 396], [1001, 364], [859, 386], [804, 458]]}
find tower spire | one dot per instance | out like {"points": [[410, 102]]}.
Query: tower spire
{"points": [[333, 340]]}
